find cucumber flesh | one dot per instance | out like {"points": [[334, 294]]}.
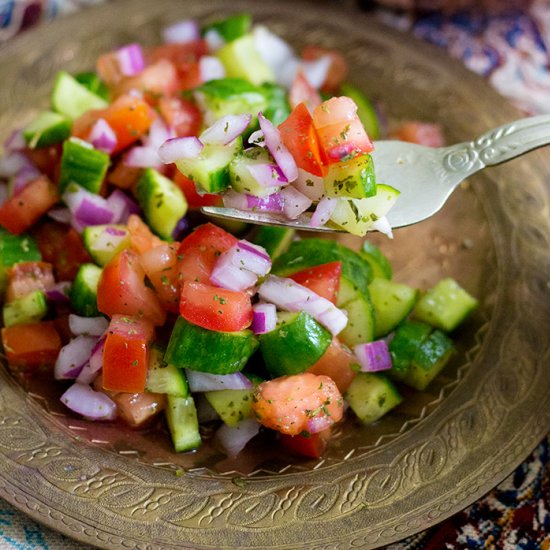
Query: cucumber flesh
{"points": [[181, 416], [47, 129], [104, 242], [381, 267], [242, 180], [30, 308], [231, 405], [351, 178], [361, 321], [163, 377], [84, 290]]}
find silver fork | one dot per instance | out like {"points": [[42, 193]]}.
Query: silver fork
{"points": [[425, 176]]}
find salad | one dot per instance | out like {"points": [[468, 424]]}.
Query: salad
{"points": [[114, 284]]}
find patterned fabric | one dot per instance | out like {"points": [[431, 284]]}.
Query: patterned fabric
{"points": [[511, 50]]}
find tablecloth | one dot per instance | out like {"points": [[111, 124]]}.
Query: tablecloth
{"points": [[511, 49]]}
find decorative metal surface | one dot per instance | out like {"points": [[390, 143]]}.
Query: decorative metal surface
{"points": [[434, 455]]}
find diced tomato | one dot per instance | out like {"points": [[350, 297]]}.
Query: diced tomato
{"points": [[302, 91], [31, 345], [180, 114], [423, 133], [323, 279], [194, 200], [336, 363], [161, 267], [137, 409], [122, 290], [200, 251], [26, 277], [141, 237], [310, 445], [24, 209], [215, 308], [61, 246], [300, 138], [124, 177], [46, 159], [125, 353], [338, 68]]}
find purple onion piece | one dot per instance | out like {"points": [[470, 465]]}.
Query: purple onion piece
{"points": [[226, 129], [210, 68], [15, 142], [181, 32], [268, 175], [60, 214], [373, 356], [234, 440], [87, 326], [59, 292], [130, 59], [264, 318], [91, 404], [203, 381], [102, 136], [295, 202], [122, 206], [271, 203], [73, 356], [159, 132], [95, 364], [180, 148], [323, 212], [142, 157], [181, 229]]}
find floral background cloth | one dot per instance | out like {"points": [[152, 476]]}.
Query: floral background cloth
{"points": [[511, 49]]}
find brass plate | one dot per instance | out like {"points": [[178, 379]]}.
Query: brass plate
{"points": [[440, 451]]}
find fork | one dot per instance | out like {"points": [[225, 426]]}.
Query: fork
{"points": [[425, 176]]}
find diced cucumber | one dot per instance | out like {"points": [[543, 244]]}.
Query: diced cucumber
{"points": [[392, 302], [197, 348], [274, 239], [162, 201], [84, 290], [183, 423], [232, 27], [210, 171], [351, 178], [82, 164], [231, 405], [381, 267], [242, 60], [356, 216], [365, 109], [278, 107], [297, 342], [72, 99], [371, 396], [15, 249], [104, 242], [445, 305], [28, 309], [46, 129], [163, 377], [408, 338], [241, 177], [93, 83], [361, 321]]}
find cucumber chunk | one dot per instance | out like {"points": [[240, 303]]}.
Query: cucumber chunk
{"points": [[162, 202], [296, 343], [46, 129], [232, 27], [371, 396], [365, 110], [15, 249], [406, 341], [445, 305], [381, 267], [351, 178], [197, 348], [93, 83], [181, 416], [30, 308], [241, 178], [104, 242], [163, 377], [392, 302], [274, 239], [231, 405], [361, 321], [84, 290], [278, 107]]}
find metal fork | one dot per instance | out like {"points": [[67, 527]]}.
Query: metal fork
{"points": [[425, 176]]}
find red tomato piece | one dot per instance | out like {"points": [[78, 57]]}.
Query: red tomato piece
{"points": [[137, 409], [182, 115], [141, 237], [158, 79], [423, 133], [311, 445], [124, 177], [122, 290], [300, 137], [24, 209], [302, 91], [338, 68], [31, 345], [336, 363], [323, 279], [47, 160], [194, 200], [200, 250], [125, 353], [215, 308], [26, 277]]}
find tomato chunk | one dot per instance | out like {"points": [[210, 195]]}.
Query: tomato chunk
{"points": [[125, 353], [141, 237], [302, 91], [181, 115], [323, 279], [215, 308], [423, 133], [336, 363], [190, 191], [158, 79], [311, 445], [137, 409], [26, 277]]}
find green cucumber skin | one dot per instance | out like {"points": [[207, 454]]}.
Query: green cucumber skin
{"points": [[232, 27], [274, 239], [15, 249], [84, 290], [381, 266], [203, 350], [94, 84], [296, 343], [47, 129], [407, 339], [352, 178], [163, 377], [181, 416]]}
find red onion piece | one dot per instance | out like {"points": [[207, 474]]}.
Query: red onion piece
{"points": [[234, 440], [277, 54], [373, 356], [15, 142], [311, 186], [59, 292], [91, 404], [383, 225], [87, 326], [242, 201], [295, 202], [257, 138], [159, 132], [181, 229], [214, 40], [277, 149], [226, 129], [288, 295], [319, 423], [268, 175], [28, 173], [210, 68], [86, 208], [12, 163], [264, 318], [102, 136], [142, 157], [95, 364], [130, 59], [180, 148], [181, 32], [316, 71], [73, 357], [323, 212], [121, 206], [203, 381]]}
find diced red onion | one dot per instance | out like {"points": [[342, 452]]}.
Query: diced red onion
{"points": [[268, 174], [204, 381], [180, 148], [181, 32], [15, 142], [181, 229], [130, 59], [295, 202], [214, 40], [142, 157], [288, 295], [323, 212], [276, 53], [92, 368], [341, 151], [87, 208], [73, 357], [102, 136], [12, 163], [234, 440], [373, 356], [159, 132], [121, 205], [311, 186], [226, 129], [210, 68], [87, 326], [319, 423], [264, 318], [91, 404], [316, 71], [257, 138], [383, 225], [60, 214], [28, 173], [277, 148], [59, 292], [242, 201]]}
